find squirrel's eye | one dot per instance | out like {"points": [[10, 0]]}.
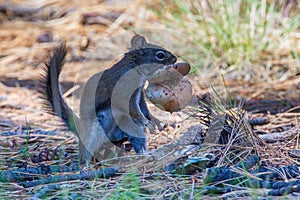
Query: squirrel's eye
{"points": [[160, 55]]}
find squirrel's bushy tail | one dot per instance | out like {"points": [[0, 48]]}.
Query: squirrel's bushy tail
{"points": [[49, 88]]}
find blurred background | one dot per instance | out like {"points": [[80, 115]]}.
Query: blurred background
{"points": [[254, 46]]}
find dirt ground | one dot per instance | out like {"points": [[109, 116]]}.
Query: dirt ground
{"points": [[26, 39]]}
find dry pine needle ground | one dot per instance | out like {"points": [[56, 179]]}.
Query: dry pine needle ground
{"points": [[26, 129]]}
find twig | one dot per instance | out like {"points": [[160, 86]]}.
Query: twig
{"points": [[87, 175], [280, 136], [25, 173]]}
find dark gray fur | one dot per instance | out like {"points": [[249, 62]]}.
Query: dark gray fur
{"points": [[97, 97]]}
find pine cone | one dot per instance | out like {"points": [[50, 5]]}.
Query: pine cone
{"points": [[48, 154]]}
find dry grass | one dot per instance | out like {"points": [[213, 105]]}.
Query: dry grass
{"points": [[269, 69]]}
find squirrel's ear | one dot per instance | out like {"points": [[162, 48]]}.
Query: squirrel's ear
{"points": [[138, 42]]}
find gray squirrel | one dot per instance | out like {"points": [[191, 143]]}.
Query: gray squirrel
{"points": [[113, 107]]}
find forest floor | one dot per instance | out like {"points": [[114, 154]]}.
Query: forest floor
{"points": [[27, 37]]}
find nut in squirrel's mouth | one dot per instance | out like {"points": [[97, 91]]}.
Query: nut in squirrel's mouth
{"points": [[172, 72], [182, 67], [168, 89]]}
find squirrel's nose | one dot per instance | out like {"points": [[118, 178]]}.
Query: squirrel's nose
{"points": [[173, 59]]}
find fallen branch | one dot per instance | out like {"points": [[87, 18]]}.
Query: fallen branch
{"points": [[272, 106], [32, 14], [221, 179], [29, 173], [279, 136], [84, 175]]}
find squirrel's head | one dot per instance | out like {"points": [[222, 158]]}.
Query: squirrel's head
{"points": [[146, 53]]}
